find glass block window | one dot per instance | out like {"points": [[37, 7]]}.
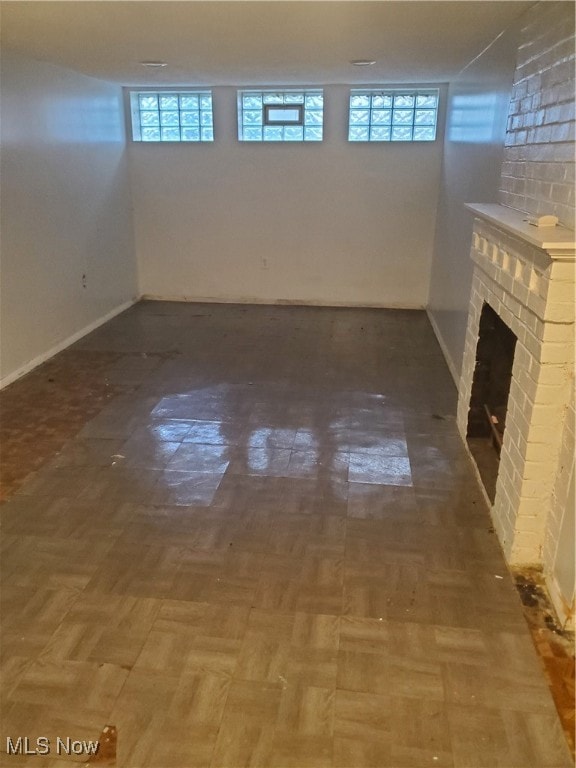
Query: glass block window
{"points": [[280, 115], [393, 115], [163, 116]]}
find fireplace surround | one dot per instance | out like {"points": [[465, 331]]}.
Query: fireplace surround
{"points": [[525, 274]]}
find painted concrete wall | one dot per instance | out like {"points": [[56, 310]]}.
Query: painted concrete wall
{"points": [[538, 169], [325, 223], [473, 148], [65, 211]]}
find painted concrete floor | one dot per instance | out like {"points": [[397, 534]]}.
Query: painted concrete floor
{"points": [[252, 537]]}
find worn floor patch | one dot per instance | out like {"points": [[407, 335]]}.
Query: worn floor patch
{"points": [[106, 754], [555, 645]]}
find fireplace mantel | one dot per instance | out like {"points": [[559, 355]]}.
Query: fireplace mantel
{"points": [[558, 242]]}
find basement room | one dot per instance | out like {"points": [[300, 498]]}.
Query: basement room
{"points": [[287, 406]]}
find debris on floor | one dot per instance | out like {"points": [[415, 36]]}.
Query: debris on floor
{"points": [[554, 644]]}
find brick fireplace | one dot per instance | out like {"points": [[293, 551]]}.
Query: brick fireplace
{"points": [[525, 275]]}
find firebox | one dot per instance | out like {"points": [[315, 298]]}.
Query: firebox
{"points": [[489, 395]]}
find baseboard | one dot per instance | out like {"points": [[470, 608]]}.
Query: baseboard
{"points": [[449, 362], [24, 369], [280, 302]]}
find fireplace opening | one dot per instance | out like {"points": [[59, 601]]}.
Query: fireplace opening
{"points": [[489, 398]]}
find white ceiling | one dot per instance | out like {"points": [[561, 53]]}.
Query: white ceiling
{"points": [[257, 43]]}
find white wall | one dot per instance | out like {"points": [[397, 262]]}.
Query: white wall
{"points": [[325, 223], [473, 148], [65, 210]]}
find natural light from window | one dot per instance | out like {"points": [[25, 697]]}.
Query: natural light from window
{"points": [[170, 117], [286, 115], [393, 115]]}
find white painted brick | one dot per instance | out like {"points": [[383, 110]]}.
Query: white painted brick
{"points": [[555, 375], [536, 326], [521, 293], [544, 433], [520, 330], [529, 276], [561, 291], [513, 438], [558, 332], [536, 304], [543, 103], [525, 556], [557, 352], [555, 172], [564, 271], [527, 541], [513, 489], [513, 424], [507, 315], [532, 507], [532, 344], [562, 152], [529, 386], [530, 523], [560, 192], [561, 486], [534, 367], [550, 396], [546, 416], [521, 425], [560, 312], [537, 475]]}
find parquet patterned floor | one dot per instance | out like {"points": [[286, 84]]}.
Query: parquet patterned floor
{"points": [[266, 548]]}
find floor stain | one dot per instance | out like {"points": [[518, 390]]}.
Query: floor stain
{"points": [[554, 644], [106, 753], [45, 408]]}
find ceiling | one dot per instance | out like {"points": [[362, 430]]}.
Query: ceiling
{"points": [[257, 43]]}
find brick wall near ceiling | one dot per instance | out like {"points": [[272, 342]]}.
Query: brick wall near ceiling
{"points": [[538, 169]]}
